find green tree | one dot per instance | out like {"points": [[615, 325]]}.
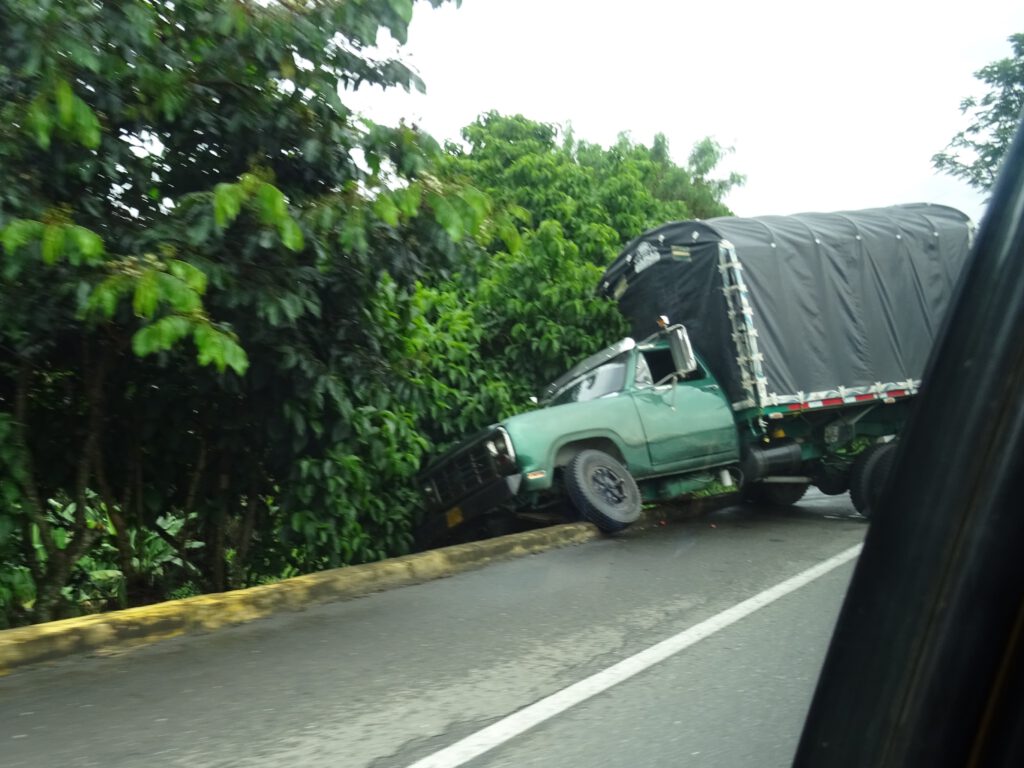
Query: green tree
{"points": [[539, 313], [601, 197], [976, 152], [564, 208], [189, 252], [235, 317]]}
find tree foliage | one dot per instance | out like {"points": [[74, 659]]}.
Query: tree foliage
{"points": [[976, 152], [183, 176], [602, 197], [235, 317]]}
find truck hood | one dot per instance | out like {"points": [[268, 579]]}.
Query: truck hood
{"points": [[536, 435]]}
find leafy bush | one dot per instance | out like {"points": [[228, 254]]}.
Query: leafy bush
{"points": [[235, 318]]}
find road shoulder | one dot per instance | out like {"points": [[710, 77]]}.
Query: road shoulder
{"points": [[134, 627]]}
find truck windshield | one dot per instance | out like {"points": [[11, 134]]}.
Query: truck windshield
{"points": [[605, 380]]}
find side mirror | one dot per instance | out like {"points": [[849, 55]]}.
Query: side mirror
{"points": [[682, 351]]}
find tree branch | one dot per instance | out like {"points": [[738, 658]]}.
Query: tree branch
{"points": [[252, 503], [124, 549], [193, 490], [34, 504]]}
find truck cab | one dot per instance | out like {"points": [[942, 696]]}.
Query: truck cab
{"points": [[634, 422]]}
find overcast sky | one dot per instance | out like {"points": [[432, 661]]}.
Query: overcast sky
{"points": [[828, 105]]}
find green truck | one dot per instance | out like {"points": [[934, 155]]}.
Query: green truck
{"points": [[794, 352]]}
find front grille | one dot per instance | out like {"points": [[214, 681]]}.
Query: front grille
{"points": [[461, 474]]}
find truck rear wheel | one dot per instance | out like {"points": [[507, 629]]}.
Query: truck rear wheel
{"points": [[602, 490], [833, 482], [868, 474], [775, 494]]}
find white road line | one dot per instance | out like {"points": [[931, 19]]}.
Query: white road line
{"points": [[486, 739]]}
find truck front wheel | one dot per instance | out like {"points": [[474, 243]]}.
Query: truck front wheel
{"points": [[602, 490]]}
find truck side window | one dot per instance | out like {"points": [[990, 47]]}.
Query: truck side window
{"points": [[602, 381], [659, 362], [659, 365]]}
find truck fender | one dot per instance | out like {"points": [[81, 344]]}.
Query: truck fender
{"points": [[565, 452]]}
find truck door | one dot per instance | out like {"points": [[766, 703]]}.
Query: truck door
{"points": [[689, 423]]}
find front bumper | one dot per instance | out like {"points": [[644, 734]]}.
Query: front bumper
{"points": [[469, 481], [494, 495]]}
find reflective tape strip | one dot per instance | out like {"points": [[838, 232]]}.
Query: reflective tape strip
{"points": [[831, 402]]}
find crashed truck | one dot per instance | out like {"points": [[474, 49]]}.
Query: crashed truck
{"points": [[767, 355]]}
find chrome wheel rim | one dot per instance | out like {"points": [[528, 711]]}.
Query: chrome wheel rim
{"points": [[608, 485]]}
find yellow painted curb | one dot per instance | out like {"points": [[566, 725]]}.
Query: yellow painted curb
{"points": [[149, 623]]}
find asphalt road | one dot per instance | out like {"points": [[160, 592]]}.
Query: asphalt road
{"points": [[393, 678]]}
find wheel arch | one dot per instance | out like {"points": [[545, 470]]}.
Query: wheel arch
{"points": [[564, 453]]}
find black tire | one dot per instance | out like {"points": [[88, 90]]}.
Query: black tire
{"points": [[833, 482], [784, 494], [775, 494], [753, 493], [867, 475], [858, 479], [880, 473], [602, 490]]}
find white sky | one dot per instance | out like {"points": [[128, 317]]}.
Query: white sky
{"points": [[828, 105]]}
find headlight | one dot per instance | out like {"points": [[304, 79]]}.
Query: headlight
{"points": [[506, 445], [501, 450]]}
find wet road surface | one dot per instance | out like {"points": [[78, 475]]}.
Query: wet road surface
{"points": [[393, 678]]}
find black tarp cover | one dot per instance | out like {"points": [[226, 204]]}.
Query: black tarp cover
{"points": [[823, 304]]}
